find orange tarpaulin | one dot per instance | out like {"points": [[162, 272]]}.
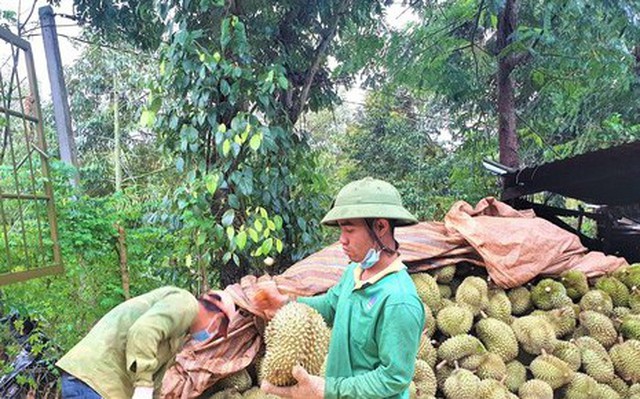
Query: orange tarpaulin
{"points": [[514, 246]]}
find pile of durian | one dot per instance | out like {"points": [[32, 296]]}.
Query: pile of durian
{"points": [[566, 337]]}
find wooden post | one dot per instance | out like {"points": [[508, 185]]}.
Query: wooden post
{"points": [[58, 89]]}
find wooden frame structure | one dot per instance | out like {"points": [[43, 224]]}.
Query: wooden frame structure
{"points": [[28, 226]]}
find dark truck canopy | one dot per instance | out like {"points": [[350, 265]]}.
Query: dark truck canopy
{"points": [[608, 179]]}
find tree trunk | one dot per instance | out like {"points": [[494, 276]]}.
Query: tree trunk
{"points": [[507, 23], [116, 134], [124, 268]]}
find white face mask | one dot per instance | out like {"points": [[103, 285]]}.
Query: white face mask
{"points": [[371, 258]]}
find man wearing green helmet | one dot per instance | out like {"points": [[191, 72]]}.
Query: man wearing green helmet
{"points": [[376, 314]]}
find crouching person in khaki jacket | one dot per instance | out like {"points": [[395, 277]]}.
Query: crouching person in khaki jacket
{"points": [[127, 352]]}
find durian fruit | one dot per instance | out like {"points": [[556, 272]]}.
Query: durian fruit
{"points": [[516, 375], [605, 391], [472, 362], [413, 392], [454, 320], [445, 291], [562, 319], [576, 284], [257, 367], [229, 393], [425, 380], [499, 306], [459, 347], [598, 301], [626, 360], [634, 389], [634, 299], [240, 381], [619, 312], [520, 299], [630, 326], [534, 333], [570, 353], [599, 327], [444, 302], [445, 274], [443, 371], [491, 367], [462, 384], [257, 393], [297, 334], [551, 370], [629, 275], [473, 293], [582, 386], [535, 389], [428, 290], [619, 386], [493, 389], [595, 359], [429, 321], [498, 337], [549, 294], [426, 351], [618, 292]]}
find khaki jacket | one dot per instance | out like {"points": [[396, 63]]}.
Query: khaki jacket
{"points": [[133, 344]]}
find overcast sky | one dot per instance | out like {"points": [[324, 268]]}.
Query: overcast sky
{"points": [[69, 50]]}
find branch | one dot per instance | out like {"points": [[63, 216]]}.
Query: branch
{"points": [[145, 174], [473, 38], [315, 66], [22, 25]]}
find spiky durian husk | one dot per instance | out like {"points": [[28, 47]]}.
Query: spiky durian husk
{"points": [[240, 381], [535, 334], [498, 337], [549, 294], [535, 389], [454, 320], [428, 291], [520, 299], [473, 293], [462, 384], [575, 282], [626, 360], [296, 335]]}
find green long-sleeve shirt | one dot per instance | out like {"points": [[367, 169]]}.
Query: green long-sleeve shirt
{"points": [[133, 343], [376, 332]]}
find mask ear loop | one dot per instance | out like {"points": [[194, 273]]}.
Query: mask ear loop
{"points": [[372, 233]]}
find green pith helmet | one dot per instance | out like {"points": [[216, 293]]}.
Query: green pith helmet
{"points": [[369, 198]]}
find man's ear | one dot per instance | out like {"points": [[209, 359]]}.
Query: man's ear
{"points": [[382, 226]]}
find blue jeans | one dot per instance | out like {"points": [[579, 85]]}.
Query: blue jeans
{"points": [[73, 388]]}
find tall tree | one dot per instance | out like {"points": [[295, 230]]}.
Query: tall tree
{"points": [[107, 90], [235, 77], [507, 26], [570, 65]]}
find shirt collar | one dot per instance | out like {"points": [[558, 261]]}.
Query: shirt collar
{"points": [[395, 266]]}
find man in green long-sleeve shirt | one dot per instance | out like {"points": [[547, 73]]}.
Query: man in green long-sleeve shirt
{"points": [[376, 314], [126, 353]]}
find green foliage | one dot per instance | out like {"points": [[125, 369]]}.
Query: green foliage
{"points": [[101, 78], [403, 140], [577, 69], [67, 305], [230, 94]]}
